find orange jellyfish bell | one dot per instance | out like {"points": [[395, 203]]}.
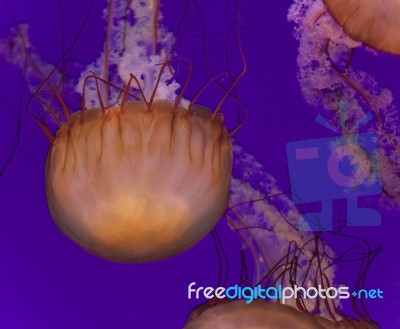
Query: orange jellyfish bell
{"points": [[139, 183], [376, 23], [260, 314], [257, 315]]}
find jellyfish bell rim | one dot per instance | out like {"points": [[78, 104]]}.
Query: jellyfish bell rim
{"points": [[208, 182], [206, 314], [228, 313], [347, 14]]}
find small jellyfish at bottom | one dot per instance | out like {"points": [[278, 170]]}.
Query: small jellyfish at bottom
{"points": [[135, 173], [264, 315], [257, 315]]}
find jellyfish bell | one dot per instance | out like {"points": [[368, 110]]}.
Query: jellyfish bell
{"points": [[257, 315], [261, 314], [137, 173], [374, 23], [138, 183]]}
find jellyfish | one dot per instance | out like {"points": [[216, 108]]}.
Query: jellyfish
{"points": [[284, 252], [374, 23], [349, 101], [263, 315], [135, 173], [259, 314]]}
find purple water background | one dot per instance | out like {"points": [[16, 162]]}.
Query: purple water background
{"points": [[48, 282]]}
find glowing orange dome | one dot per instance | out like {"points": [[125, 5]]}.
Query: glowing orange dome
{"points": [[136, 184]]}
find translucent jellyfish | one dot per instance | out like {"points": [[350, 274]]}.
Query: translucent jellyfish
{"points": [[374, 23], [349, 100], [137, 173], [284, 252]]}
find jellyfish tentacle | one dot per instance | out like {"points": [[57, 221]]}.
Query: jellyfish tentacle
{"points": [[156, 9], [204, 87], [125, 94], [239, 75]]}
